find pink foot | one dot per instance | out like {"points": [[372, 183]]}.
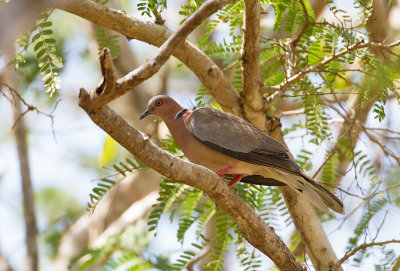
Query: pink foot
{"points": [[235, 179], [224, 171]]}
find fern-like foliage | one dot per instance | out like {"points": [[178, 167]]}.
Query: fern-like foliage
{"points": [[123, 251], [330, 171], [386, 85], [151, 7], [316, 118], [361, 229], [188, 256], [45, 48], [186, 216], [129, 261], [169, 194], [105, 40], [189, 8], [104, 185], [304, 160], [22, 42], [223, 224], [250, 261]]}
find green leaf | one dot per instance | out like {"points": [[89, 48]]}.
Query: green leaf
{"points": [[38, 45], [56, 61], [50, 40], [46, 24]]}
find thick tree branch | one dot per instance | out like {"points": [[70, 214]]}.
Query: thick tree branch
{"points": [[253, 102], [253, 228], [396, 265], [311, 231], [205, 69], [152, 66]]}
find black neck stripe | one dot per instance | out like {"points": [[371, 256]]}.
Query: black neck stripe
{"points": [[180, 113]]}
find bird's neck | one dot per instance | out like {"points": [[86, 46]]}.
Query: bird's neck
{"points": [[178, 126]]}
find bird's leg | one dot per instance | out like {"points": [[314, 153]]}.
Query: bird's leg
{"points": [[224, 171], [228, 169], [235, 179]]}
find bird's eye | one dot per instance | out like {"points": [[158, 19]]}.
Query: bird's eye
{"points": [[159, 102]]}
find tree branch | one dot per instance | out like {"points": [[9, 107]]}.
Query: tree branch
{"points": [[17, 98], [377, 141], [363, 246], [281, 88], [205, 69], [396, 265], [305, 25], [253, 102], [253, 228], [31, 231], [152, 66]]}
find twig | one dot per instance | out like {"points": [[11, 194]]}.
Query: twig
{"points": [[292, 112], [305, 25], [320, 94], [15, 94], [323, 164], [159, 20], [363, 246], [383, 129], [371, 137], [377, 141], [199, 257], [280, 89]]}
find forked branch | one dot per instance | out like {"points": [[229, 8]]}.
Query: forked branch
{"points": [[111, 90]]}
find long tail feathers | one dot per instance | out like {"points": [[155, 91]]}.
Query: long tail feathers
{"points": [[312, 191], [325, 197]]}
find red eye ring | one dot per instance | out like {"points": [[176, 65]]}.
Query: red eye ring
{"points": [[159, 102]]}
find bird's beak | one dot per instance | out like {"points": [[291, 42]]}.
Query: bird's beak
{"points": [[144, 114]]}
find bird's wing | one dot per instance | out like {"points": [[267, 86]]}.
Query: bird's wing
{"points": [[239, 139]]}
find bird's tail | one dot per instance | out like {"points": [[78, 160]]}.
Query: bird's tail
{"points": [[321, 197], [318, 195]]}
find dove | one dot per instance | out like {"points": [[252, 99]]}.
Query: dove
{"points": [[229, 145]]}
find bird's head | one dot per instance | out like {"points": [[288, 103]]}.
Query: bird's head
{"points": [[162, 106]]}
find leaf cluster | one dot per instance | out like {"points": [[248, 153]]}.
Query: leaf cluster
{"points": [[40, 36], [104, 185]]}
